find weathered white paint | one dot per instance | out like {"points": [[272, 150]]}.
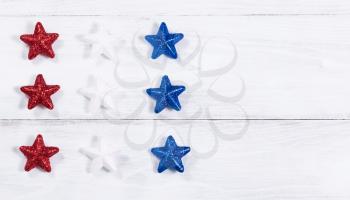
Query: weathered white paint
{"points": [[249, 67], [272, 160]]}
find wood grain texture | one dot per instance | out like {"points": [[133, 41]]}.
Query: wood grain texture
{"points": [[180, 7], [291, 67], [265, 112], [272, 160]]}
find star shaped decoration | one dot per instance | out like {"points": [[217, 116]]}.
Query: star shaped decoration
{"points": [[40, 42], [95, 93], [40, 93], [99, 158], [100, 42], [164, 42], [166, 95], [38, 154], [170, 155]]}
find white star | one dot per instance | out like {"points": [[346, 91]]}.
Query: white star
{"points": [[101, 42], [99, 158], [95, 92]]}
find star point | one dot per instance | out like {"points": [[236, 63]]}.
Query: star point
{"points": [[166, 95], [164, 42], [40, 93], [170, 155], [38, 154], [40, 42]]}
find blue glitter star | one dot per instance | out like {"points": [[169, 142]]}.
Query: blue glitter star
{"points": [[170, 155], [164, 42], [166, 95]]}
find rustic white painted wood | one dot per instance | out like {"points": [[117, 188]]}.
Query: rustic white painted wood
{"points": [[280, 67], [170, 8], [273, 160], [265, 112]]}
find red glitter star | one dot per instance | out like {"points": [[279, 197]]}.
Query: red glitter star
{"points": [[40, 42], [38, 154], [40, 93]]}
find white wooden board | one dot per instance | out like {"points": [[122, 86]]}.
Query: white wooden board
{"points": [[265, 111], [272, 160], [272, 67], [179, 7]]}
